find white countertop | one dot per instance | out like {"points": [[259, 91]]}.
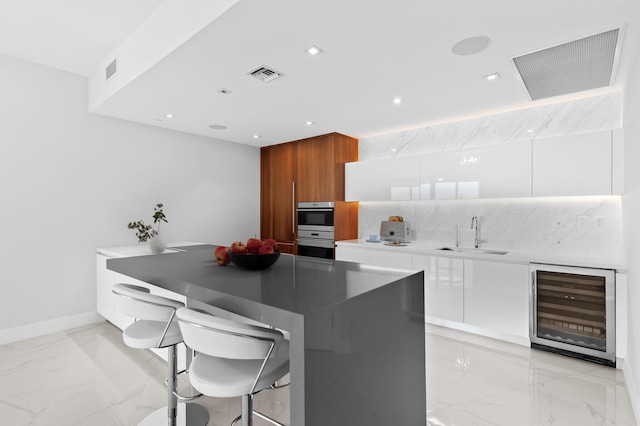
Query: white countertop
{"points": [[140, 249], [509, 257]]}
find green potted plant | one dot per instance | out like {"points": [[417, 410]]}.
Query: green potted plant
{"points": [[147, 232]]}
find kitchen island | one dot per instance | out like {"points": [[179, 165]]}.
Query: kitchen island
{"points": [[357, 352]]}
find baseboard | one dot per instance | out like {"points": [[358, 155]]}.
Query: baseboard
{"points": [[47, 327], [633, 387], [480, 331]]}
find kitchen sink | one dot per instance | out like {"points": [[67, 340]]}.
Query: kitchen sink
{"points": [[473, 250]]}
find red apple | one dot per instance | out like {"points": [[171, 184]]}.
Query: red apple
{"points": [[253, 245], [265, 249], [238, 247], [222, 255], [271, 242]]}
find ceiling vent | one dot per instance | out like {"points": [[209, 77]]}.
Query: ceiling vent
{"points": [[579, 65], [264, 73], [111, 69]]}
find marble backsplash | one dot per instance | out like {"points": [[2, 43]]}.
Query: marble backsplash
{"points": [[563, 225]]}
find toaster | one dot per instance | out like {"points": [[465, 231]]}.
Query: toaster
{"points": [[395, 231]]}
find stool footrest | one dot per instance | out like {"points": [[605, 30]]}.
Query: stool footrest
{"points": [[182, 397], [262, 416]]}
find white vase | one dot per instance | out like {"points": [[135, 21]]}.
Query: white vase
{"points": [[157, 244]]}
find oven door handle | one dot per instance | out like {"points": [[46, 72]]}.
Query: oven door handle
{"points": [[311, 242]]}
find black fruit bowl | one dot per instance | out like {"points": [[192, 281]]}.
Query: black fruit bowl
{"points": [[254, 262]]}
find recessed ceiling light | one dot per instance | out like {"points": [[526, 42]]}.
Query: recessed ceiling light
{"points": [[224, 91], [493, 76], [314, 50], [396, 100], [256, 136], [217, 127], [309, 123], [169, 115], [530, 131], [471, 46]]}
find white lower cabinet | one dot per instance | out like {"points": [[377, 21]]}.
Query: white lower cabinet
{"points": [[348, 254], [386, 258], [390, 258], [443, 286], [490, 298], [496, 296]]}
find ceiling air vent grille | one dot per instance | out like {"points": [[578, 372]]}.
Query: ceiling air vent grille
{"points": [[583, 64], [111, 69], [264, 73]]}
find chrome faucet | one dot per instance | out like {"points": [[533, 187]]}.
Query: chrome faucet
{"points": [[475, 224]]}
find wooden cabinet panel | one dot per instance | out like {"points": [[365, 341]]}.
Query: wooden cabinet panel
{"points": [[277, 193], [305, 171], [315, 175], [320, 167]]}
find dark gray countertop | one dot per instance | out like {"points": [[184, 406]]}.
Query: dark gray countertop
{"points": [[295, 283], [357, 332]]}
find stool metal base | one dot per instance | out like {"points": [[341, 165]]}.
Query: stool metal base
{"points": [[187, 415]]}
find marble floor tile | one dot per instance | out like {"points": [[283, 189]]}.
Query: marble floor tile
{"points": [[87, 376]]}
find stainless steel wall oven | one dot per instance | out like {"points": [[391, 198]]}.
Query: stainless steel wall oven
{"points": [[316, 236], [573, 312]]}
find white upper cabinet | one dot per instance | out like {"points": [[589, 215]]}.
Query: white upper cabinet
{"points": [[586, 164], [404, 175], [573, 165], [367, 181], [617, 162], [495, 171]]}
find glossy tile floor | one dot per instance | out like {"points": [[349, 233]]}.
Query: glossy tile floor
{"points": [[87, 376]]}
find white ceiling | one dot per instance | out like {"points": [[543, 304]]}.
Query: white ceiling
{"points": [[374, 51]]}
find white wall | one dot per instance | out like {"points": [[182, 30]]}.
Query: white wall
{"points": [[631, 227], [71, 181]]}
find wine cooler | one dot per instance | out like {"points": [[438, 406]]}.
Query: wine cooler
{"points": [[573, 312]]}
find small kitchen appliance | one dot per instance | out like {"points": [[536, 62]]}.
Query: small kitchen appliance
{"points": [[395, 231]]}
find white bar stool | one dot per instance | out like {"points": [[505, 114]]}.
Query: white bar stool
{"points": [[156, 327], [234, 358]]}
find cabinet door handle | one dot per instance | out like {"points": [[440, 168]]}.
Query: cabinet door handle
{"points": [[293, 208]]}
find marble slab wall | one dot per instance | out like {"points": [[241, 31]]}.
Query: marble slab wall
{"points": [[565, 225], [572, 117]]}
